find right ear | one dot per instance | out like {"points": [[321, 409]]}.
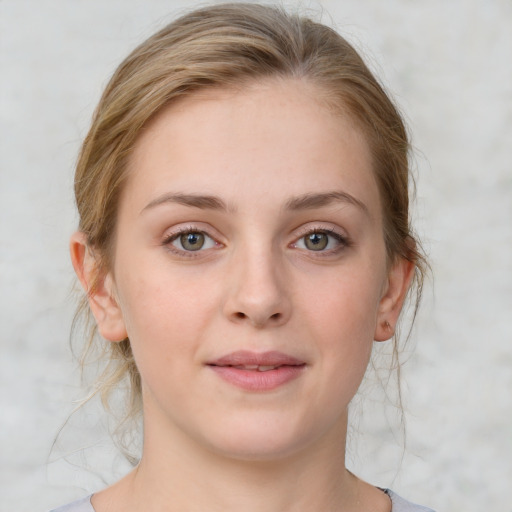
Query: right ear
{"points": [[99, 288]]}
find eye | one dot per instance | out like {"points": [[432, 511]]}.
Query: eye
{"points": [[321, 241], [316, 241], [191, 241]]}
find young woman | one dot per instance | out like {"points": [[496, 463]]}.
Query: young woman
{"points": [[244, 240]]}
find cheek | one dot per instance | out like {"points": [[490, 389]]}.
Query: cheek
{"points": [[344, 303], [341, 312], [165, 312]]}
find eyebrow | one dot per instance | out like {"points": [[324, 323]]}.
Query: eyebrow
{"points": [[308, 201], [318, 200], [205, 202]]}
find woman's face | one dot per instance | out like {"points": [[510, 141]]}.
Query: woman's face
{"points": [[250, 270]]}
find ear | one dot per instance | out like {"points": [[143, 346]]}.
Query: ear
{"points": [[99, 288], [399, 279]]}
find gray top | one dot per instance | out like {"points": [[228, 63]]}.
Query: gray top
{"points": [[399, 505]]}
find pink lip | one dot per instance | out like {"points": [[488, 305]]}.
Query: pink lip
{"points": [[227, 367]]}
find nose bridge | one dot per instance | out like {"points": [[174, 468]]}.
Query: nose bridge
{"points": [[258, 291]]}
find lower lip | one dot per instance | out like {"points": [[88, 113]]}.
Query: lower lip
{"points": [[253, 380]]}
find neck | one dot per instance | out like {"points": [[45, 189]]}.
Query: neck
{"points": [[175, 474], [178, 474], [240, 485]]}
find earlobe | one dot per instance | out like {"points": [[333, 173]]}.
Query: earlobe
{"points": [[99, 288], [399, 279]]}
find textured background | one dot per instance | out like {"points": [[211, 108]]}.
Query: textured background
{"points": [[448, 63]]}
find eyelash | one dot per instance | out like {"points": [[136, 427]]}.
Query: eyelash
{"points": [[342, 241], [168, 241]]}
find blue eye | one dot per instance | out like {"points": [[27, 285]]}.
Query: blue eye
{"points": [[191, 241]]}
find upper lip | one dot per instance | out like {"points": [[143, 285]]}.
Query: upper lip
{"points": [[249, 358]]}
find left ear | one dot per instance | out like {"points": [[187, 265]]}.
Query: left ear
{"points": [[399, 279]]}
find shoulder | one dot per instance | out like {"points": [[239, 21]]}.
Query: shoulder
{"points": [[83, 505], [401, 505]]}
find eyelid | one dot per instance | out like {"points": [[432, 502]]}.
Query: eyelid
{"points": [[320, 227], [174, 233], [335, 232]]}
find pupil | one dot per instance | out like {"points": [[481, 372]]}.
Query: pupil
{"points": [[316, 241], [192, 241]]}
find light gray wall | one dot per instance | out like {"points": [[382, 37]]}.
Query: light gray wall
{"points": [[448, 64]]}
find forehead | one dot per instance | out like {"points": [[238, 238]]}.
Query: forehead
{"points": [[278, 135]]}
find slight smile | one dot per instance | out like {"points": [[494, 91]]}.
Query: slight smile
{"points": [[254, 371]]}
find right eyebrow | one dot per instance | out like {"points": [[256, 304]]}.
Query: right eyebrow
{"points": [[194, 200]]}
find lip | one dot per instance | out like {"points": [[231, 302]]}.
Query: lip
{"points": [[231, 369]]}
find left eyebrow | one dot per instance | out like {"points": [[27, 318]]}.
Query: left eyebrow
{"points": [[317, 200]]}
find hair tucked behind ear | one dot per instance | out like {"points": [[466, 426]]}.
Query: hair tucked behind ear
{"points": [[226, 46]]}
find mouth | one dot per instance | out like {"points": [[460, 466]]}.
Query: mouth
{"points": [[253, 371], [245, 359], [255, 367]]}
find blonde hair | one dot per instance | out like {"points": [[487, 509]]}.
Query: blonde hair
{"points": [[225, 46]]}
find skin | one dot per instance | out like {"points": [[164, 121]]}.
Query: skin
{"points": [[255, 285]]}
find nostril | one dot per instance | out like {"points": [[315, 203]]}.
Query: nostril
{"points": [[240, 315], [276, 316]]}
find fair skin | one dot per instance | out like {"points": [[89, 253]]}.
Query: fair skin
{"points": [[251, 221]]}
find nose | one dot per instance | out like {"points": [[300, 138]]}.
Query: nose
{"points": [[259, 292]]}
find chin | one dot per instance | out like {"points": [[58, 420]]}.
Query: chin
{"points": [[260, 441], [257, 451]]}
